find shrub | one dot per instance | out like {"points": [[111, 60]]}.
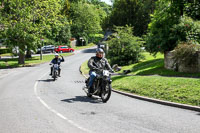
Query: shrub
{"points": [[187, 30], [124, 48], [186, 53], [5, 50]]}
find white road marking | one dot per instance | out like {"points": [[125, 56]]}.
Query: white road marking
{"points": [[54, 111]]}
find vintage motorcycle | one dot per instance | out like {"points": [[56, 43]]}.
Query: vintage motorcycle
{"points": [[101, 85], [55, 71]]}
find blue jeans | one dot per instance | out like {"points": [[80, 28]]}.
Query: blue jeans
{"points": [[92, 76]]}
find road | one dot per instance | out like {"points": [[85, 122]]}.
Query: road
{"points": [[30, 102]]}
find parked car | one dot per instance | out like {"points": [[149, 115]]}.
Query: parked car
{"points": [[46, 49], [62, 49]]}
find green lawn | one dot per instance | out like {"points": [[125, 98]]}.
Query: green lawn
{"points": [[7, 54], [28, 62], [180, 90], [154, 66], [149, 78], [84, 68]]}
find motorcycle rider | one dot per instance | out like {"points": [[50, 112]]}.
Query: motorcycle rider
{"points": [[95, 63], [57, 60]]}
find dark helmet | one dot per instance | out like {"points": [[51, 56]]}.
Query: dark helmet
{"points": [[99, 50]]}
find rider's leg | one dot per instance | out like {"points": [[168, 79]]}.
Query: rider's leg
{"points": [[51, 71], [92, 76], [59, 71]]}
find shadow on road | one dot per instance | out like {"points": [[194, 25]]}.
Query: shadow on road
{"points": [[198, 114], [47, 80], [82, 99]]}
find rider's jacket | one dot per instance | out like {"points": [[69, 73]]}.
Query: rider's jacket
{"points": [[96, 63], [57, 60]]}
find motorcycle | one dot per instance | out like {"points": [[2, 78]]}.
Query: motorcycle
{"points": [[55, 71], [101, 85]]}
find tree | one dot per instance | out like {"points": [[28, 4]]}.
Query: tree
{"points": [[66, 8], [124, 48], [64, 35], [85, 20], [131, 12], [25, 22], [16, 19], [169, 26], [192, 9]]}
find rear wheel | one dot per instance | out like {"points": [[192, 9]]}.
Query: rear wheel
{"points": [[106, 93], [87, 90], [71, 51]]}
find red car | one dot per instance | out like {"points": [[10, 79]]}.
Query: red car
{"points": [[62, 49]]}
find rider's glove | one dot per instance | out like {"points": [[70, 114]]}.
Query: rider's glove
{"points": [[111, 71], [95, 68]]}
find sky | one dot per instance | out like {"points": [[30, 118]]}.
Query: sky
{"points": [[107, 1]]}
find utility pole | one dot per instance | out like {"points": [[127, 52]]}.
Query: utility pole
{"points": [[41, 49]]}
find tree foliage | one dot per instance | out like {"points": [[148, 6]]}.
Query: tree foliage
{"points": [[85, 20], [18, 28], [25, 22], [169, 26], [131, 12]]}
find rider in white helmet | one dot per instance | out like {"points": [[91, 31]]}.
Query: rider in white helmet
{"points": [[57, 60]]}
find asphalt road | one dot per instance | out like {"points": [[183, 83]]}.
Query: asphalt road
{"points": [[30, 102]]}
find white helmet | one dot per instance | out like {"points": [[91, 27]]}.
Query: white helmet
{"points": [[56, 54]]}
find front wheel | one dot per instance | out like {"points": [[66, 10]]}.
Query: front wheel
{"points": [[106, 93], [54, 75], [89, 95]]}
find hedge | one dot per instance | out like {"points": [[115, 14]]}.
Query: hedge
{"points": [[5, 50]]}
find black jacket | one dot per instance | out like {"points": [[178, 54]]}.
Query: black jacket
{"points": [[57, 61], [95, 63]]}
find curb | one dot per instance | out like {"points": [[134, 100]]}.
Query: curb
{"points": [[172, 104], [178, 105]]}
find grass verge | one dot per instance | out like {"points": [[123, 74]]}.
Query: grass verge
{"points": [[6, 54], [180, 90], [84, 47], [154, 66], [84, 68], [13, 62]]}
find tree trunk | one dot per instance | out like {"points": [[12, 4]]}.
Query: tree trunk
{"points": [[21, 59], [28, 54]]}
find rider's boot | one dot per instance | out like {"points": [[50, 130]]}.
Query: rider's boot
{"points": [[51, 71], [59, 73], [90, 90]]}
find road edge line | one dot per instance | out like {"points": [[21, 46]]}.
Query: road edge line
{"points": [[54, 111]]}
